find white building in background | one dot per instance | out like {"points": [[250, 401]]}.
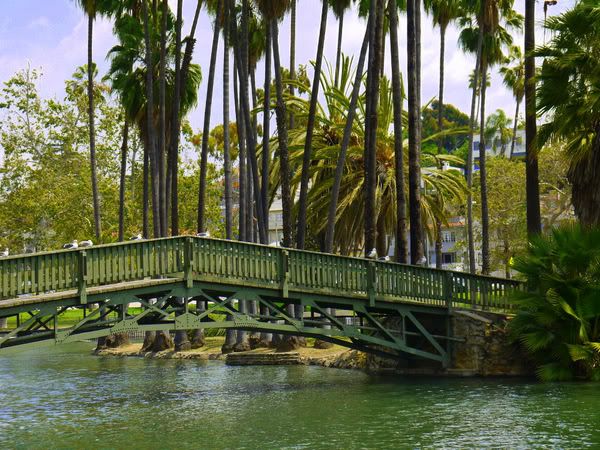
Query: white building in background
{"points": [[496, 150]]}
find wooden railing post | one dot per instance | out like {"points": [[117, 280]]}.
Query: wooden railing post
{"points": [[188, 262], [284, 257], [82, 277], [448, 289], [371, 282]]}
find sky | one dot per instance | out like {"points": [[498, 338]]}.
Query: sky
{"points": [[52, 35]]}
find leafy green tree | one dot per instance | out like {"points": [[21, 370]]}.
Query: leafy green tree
{"points": [[558, 320], [452, 118], [507, 212]]}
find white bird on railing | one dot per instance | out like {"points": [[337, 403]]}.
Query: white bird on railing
{"points": [[4, 253], [422, 261], [384, 258], [87, 243], [372, 254], [137, 237], [73, 244], [204, 234]]}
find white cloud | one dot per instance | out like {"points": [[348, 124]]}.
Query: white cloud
{"points": [[39, 22]]}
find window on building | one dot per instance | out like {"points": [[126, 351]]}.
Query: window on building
{"points": [[448, 258], [448, 236]]}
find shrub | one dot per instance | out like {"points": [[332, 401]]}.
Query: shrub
{"points": [[558, 321]]}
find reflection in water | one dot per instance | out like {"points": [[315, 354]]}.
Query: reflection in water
{"points": [[66, 398]]}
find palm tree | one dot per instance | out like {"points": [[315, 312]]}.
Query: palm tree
{"points": [[292, 52], [497, 130], [339, 8], [514, 79], [534, 221], [243, 66], [401, 250], [226, 137], [490, 28], [91, 8], [207, 112], [341, 162], [124, 149], [443, 12], [568, 86], [376, 13], [301, 231], [413, 11], [329, 133]]}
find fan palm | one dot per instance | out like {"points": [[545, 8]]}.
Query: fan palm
{"points": [[569, 95], [558, 321], [331, 121], [129, 76]]}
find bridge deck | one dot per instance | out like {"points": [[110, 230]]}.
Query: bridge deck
{"points": [[43, 277]]}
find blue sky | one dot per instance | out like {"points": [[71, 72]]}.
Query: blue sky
{"points": [[52, 35]]}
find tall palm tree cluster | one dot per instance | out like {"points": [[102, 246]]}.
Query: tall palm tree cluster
{"points": [[360, 149]]}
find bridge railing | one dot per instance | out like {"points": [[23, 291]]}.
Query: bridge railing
{"points": [[100, 265], [232, 262]]}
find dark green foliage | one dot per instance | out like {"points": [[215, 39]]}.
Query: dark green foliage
{"points": [[453, 118], [559, 318]]}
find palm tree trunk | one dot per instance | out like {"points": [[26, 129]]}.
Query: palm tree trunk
{"points": [[92, 128], [152, 150], [534, 222], [242, 69], [206, 128], [485, 219], [306, 160], [292, 55], [438, 243], [414, 132], [176, 124], [370, 155], [441, 88], [401, 250], [226, 143], [123, 181], [266, 124], [469, 168], [162, 125], [189, 49], [242, 160], [282, 139], [338, 58], [145, 194], [515, 129], [341, 162]]}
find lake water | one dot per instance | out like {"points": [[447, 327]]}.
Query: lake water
{"points": [[67, 398]]}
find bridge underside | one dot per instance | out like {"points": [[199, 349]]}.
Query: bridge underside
{"points": [[384, 328]]}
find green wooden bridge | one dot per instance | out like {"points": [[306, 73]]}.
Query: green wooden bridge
{"points": [[183, 283]]}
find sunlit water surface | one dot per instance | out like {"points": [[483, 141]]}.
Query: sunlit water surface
{"points": [[67, 398]]}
